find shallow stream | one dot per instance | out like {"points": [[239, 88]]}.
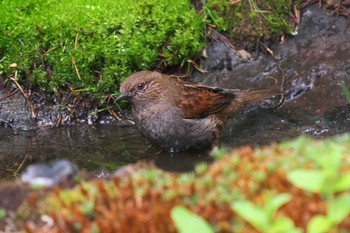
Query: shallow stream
{"points": [[101, 149]]}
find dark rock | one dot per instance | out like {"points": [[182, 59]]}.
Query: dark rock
{"points": [[14, 111], [315, 63]]}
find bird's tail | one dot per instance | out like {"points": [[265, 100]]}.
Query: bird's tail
{"points": [[250, 96]]}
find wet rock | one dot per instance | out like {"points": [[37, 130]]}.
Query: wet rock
{"points": [[221, 57], [339, 116], [14, 111], [314, 64], [58, 172], [92, 118], [106, 119]]}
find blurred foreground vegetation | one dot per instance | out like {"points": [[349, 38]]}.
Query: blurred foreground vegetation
{"points": [[297, 186]]}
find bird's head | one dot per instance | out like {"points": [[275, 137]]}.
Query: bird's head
{"points": [[140, 87]]}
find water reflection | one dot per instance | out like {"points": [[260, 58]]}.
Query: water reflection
{"points": [[90, 147], [99, 149]]}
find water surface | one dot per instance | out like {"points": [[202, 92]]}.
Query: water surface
{"points": [[102, 149]]}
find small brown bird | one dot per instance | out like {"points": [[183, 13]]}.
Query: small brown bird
{"points": [[176, 115]]}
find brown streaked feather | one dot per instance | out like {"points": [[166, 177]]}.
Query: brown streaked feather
{"points": [[255, 95], [244, 97], [201, 101]]}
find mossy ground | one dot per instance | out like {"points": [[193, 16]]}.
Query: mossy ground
{"points": [[249, 22], [91, 46]]}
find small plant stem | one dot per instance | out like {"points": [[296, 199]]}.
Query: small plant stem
{"points": [[76, 41], [76, 67], [116, 116], [282, 98], [21, 165], [31, 106]]}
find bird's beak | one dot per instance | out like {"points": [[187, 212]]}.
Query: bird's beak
{"points": [[122, 97]]}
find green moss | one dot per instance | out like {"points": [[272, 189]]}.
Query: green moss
{"points": [[254, 20], [94, 45]]}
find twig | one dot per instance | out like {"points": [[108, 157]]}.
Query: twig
{"points": [[268, 49], [32, 109], [116, 116], [52, 49], [197, 66], [9, 94], [58, 121], [75, 67], [282, 99], [216, 36], [76, 41], [272, 78], [234, 1], [73, 59], [110, 110], [21, 165]]}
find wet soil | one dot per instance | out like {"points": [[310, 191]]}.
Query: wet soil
{"points": [[314, 64]]}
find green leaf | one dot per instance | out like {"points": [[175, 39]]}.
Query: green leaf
{"points": [[319, 224], [188, 222], [2, 213], [252, 214], [339, 208], [309, 180], [332, 162], [346, 92], [284, 225], [275, 203], [343, 183]]}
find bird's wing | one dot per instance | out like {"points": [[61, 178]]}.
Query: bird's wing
{"points": [[198, 101]]}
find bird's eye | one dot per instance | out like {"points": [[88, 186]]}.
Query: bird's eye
{"points": [[141, 86]]}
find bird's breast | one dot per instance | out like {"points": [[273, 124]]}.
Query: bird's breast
{"points": [[168, 129]]}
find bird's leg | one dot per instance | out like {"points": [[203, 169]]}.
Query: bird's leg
{"points": [[216, 142]]}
